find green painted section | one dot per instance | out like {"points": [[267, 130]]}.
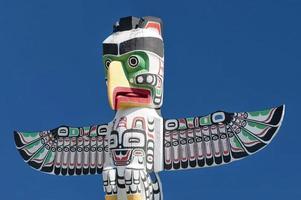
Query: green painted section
{"points": [[204, 121], [158, 92], [93, 133], [248, 135], [258, 113], [257, 125], [236, 142], [39, 153], [30, 134], [73, 132], [49, 157], [130, 72], [86, 129], [32, 145], [190, 120], [182, 127]]}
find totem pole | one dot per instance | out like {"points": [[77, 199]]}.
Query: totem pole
{"points": [[138, 143]]}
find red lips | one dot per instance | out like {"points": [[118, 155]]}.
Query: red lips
{"points": [[121, 156], [130, 96]]}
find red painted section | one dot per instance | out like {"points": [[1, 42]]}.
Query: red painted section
{"points": [[154, 25], [131, 95], [121, 156]]}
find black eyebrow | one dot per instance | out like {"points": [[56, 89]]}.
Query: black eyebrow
{"points": [[110, 48], [151, 44]]}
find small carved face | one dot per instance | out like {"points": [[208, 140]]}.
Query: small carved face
{"points": [[127, 145]]}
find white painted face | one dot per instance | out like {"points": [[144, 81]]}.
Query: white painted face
{"points": [[125, 145], [131, 138]]}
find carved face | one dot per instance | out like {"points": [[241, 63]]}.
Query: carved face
{"points": [[133, 61], [128, 145]]}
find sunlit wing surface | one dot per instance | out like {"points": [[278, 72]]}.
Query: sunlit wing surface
{"points": [[218, 138], [65, 150]]}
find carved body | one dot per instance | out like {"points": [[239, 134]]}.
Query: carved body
{"points": [[135, 141]]}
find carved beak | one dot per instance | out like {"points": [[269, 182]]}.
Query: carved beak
{"points": [[120, 93], [116, 78]]}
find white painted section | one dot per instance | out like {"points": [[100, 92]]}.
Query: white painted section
{"points": [[122, 36]]}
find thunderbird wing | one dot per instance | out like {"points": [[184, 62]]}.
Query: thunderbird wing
{"points": [[218, 138], [65, 150]]}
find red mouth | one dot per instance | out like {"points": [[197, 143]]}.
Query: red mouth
{"points": [[130, 96], [121, 157]]}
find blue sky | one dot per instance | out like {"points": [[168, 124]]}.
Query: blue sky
{"points": [[219, 55]]}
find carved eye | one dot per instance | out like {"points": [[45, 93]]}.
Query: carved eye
{"points": [[107, 63], [134, 140], [133, 61], [113, 140]]}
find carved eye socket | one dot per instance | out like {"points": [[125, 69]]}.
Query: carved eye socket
{"points": [[133, 61], [107, 63], [113, 140], [134, 140]]}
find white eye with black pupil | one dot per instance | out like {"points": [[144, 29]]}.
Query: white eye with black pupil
{"points": [[133, 61], [107, 63]]}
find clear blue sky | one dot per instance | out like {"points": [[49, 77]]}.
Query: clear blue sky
{"points": [[220, 55]]}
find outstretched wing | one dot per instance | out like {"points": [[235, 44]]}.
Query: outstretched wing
{"points": [[218, 138], [65, 150]]}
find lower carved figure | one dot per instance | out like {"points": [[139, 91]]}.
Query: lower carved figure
{"points": [[136, 184]]}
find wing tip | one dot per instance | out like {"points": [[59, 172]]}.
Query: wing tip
{"points": [[16, 133], [20, 146], [278, 115], [283, 107], [281, 110], [17, 139]]}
